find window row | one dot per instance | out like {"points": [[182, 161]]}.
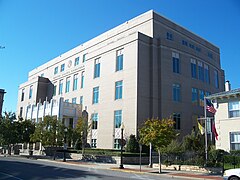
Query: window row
{"points": [[30, 94], [74, 100], [68, 84], [76, 63], [199, 70], [118, 92], [169, 36]]}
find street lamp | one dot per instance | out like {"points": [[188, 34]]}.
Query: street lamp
{"points": [[65, 145], [121, 161]]}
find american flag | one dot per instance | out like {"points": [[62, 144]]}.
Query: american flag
{"points": [[210, 107]]}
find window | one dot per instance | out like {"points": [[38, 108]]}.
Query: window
{"points": [[117, 118], [95, 95], [60, 87], [81, 100], [55, 70], [62, 67], [206, 73], [234, 109], [94, 143], [30, 92], [210, 55], [117, 143], [191, 46], [198, 49], [185, 43], [22, 96], [84, 58], [200, 71], [119, 60], [74, 100], [176, 62], [169, 36], [76, 62], [176, 93], [75, 82], [54, 90], [176, 119], [21, 111], [118, 90], [94, 120], [216, 82], [97, 68], [201, 97], [194, 68], [234, 140], [67, 100], [82, 80], [67, 85], [194, 96]]}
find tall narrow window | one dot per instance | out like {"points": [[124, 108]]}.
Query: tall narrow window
{"points": [[76, 62], [75, 82], [74, 100], [194, 96], [200, 71], [206, 73], [117, 118], [84, 58], [216, 82], [21, 111], [95, 95], [94, 143], [176, 93], [234, 140], [176, 119], [62, 67], [97, 68], [119, 60], [30, 92], [54, 90], [194, 68], [81, 100], [234, 109], [94, 120], [22, 96], [67, 84], [201, 97], [175, 62], [117, 143], [60, 87], [55, 70], [118, 89], [82, 80]]}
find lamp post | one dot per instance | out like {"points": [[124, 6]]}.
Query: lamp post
{"points": [[65, 145], [121, 161]]}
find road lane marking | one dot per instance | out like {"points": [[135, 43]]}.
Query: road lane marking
{"points": [[9, 175]]}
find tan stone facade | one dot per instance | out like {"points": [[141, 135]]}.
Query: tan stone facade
{"points": [[137, 70]]}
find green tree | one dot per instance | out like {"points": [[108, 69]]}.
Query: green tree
{"points": [[132, 144], [50, 132], [158, 132]]}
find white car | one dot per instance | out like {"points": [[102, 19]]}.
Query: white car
{"points": [[232, 174]]}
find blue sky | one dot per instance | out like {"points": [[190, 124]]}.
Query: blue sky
{"points": [[34, 32]]}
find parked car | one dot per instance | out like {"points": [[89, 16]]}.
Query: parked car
{"points": [[232, 174]]}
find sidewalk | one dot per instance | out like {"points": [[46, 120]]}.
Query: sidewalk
{"points": [[130, 168], [145, 169]]}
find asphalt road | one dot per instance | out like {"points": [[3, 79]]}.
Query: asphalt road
{"points": [[24, 169]]}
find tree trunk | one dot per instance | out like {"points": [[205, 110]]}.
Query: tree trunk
{"points": [[159, 162]]}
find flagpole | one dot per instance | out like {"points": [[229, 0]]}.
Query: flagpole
{"points": [[205, 117]]}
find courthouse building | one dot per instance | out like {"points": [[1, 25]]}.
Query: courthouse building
{"points": [[146, 67]]}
